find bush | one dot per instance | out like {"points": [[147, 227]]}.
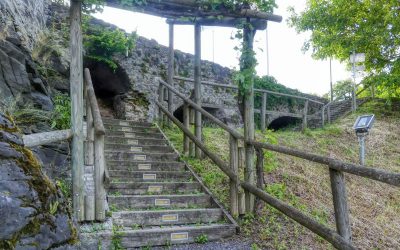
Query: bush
{"points": [[61, 118]]}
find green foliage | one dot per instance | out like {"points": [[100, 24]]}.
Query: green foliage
{"points": [[341, 90], [102, 43], [61, 118], [340, 27], [201, 239]]}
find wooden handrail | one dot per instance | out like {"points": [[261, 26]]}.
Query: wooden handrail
{"points": [[325, 232], [39, 139], [197, 107], [256, 90], [98, 122], [355, 169]]}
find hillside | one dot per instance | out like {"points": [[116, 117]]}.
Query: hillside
{"points": [[374, 206]]}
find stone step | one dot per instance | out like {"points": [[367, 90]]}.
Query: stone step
{"points": [[124, 122], [129, 128], [111, 141], [159, 236], [131, 156], [138, 148], [150, 175], [132, 135], [146, 165], [138, 188], [156, 202], [134, 219]]}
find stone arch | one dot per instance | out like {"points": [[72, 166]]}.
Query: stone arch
{"points": [[284, 122], [216, 112]]}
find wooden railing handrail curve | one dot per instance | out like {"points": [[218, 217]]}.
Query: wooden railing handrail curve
{"points": [[98, 122]]}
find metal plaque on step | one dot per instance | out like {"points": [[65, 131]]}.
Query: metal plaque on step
{"points": [[169, 218], [133, 142], [179, 236], [126, 129], [149, 177], [129, 135], [154, 189], [139, 157], [136, 149], [162, 202], [123, 123], [144, 166]]}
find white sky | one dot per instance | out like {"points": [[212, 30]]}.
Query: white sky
{"points": [[288, 64]]}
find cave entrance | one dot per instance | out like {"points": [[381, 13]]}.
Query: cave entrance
{"points": [[216, 112], [284, 122], [107, 84]]}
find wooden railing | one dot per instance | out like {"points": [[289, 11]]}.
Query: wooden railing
{"points": [[94, 203], [341, 238], [263, 111]]}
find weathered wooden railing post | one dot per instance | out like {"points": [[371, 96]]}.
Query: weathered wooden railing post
{"points": [[186, 123], [191, 124], [340, 203], [329, 113], [247, 64], [170, 69], [260, 173], [99, 168], [160, 100], [323, 116], [76, 93], [233, 184], [242, 163], [263, 109], [197, 85], [305, 114]]}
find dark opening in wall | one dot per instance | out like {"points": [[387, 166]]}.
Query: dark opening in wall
{"points": [[214, 111], [284, 122], [106, 82]]}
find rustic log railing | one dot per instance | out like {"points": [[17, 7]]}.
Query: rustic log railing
{"points": [[263, 111], [94, 154], [341, 238], [94, 203]]}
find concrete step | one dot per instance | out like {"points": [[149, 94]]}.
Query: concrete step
{"points": [[134, 219], [150, 175], [138, 188], [131, 156], [146, 165], [111, 141], [132, 135], [138, 148], [159, 236], [130, 128], [156, 202], [124, 122]]}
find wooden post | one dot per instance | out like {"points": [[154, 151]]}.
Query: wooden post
{"points": [[329, 114], [89, 152], [340, 203], [323, 116], [76, 93], [263, 109], [305, 113], [170, 69], [248, 63], [197, 85], [241, 158], [160, 100], [191, 123], [260, 174], [233, 185], [99, 167], [186, 123]]}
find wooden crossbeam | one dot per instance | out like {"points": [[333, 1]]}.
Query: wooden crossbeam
{"points": [[230, 22]]}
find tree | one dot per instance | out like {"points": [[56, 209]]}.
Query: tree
{"points": [[339, 27]]}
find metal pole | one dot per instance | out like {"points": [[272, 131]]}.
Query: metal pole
{"points": [[267, 49], [361, 140], [353, 93]]}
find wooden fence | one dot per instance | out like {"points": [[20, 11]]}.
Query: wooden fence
{"points": [[341, 238], [93, 207]]}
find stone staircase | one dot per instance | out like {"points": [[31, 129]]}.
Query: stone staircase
{"points": [[155, 199]]}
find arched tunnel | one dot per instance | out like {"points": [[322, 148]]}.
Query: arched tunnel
{"points": [[217, 112], [284, 122]]}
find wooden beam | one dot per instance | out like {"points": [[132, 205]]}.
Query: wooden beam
{"points": [[197, 85], [45, 138], [305, 114], [233, 184], [171, 67], [220, 22], [263, 109], [98, 122], [76, 93], [249, 130]]}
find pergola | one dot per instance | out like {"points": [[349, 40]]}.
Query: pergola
{"points": [[177, 12]]}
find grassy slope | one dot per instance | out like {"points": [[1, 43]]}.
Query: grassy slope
{"points": [[374, 207]]}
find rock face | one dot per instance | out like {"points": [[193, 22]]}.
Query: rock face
{"points": [[33, 211]]}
